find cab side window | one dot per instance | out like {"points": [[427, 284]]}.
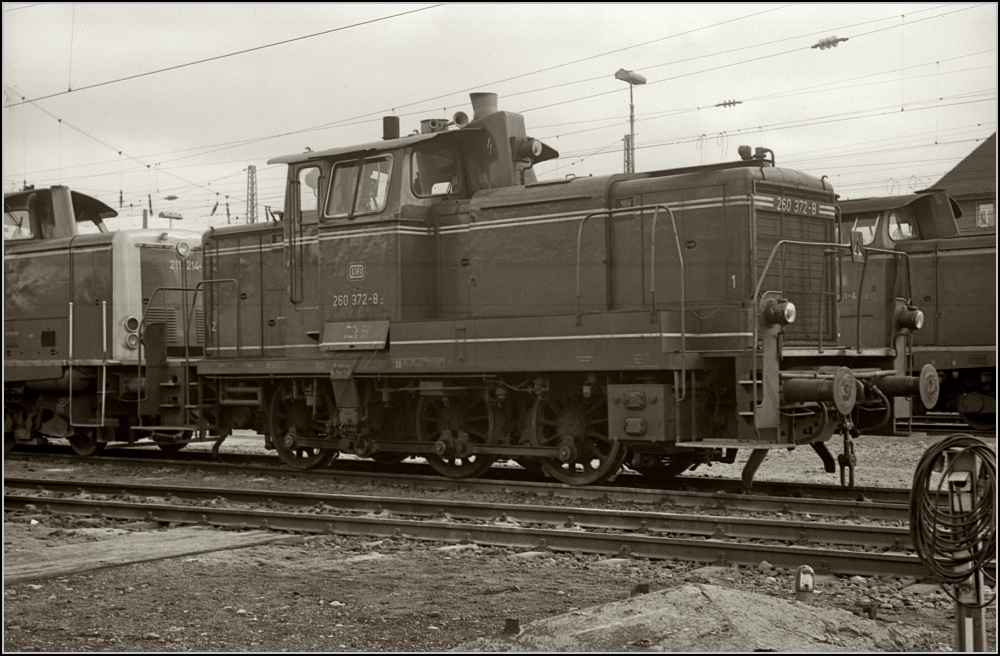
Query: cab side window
{"points": [[308, 194], [901, 225], [88, 223], [359, 187], [432, 170]]}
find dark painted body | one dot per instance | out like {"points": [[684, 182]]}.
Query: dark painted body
{"points": [[524, 293], [952, 278]]}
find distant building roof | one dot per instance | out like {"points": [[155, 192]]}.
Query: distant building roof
{"points": [[976, 174]]}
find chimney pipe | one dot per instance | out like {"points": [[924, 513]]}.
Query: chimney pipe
{"points": [[483, 104], [390, 127]]}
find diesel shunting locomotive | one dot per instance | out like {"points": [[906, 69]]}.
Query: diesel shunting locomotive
{"points": [[77, 300], [427, 296], [916, 237]]}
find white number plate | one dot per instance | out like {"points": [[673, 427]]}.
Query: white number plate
{"points": [[796, 206]]}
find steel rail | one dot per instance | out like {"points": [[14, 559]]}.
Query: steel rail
{"points": [[705, 525], [711, 498], [641, 545], [498, 474]]}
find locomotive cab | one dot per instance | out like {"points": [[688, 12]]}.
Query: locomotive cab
{"points": [[52, 213]]}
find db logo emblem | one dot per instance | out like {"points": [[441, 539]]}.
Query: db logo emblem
{"points": [[356, 272]]}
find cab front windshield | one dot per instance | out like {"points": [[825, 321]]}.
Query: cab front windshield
{"points": [[17, 225], [867, 225]]}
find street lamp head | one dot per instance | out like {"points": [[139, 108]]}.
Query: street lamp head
{"points": [[629, 76]]}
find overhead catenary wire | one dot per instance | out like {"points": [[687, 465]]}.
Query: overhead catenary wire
{"points": [[350, 121], [201, 154], [100, 141], [231, 54]]}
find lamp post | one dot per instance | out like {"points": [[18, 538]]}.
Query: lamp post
{"points": [[632, 78]]}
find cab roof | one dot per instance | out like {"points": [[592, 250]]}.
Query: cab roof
{"points": [[935, 211], [82, 203], [883, 203], [374, 146]]}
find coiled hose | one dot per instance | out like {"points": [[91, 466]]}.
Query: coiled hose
{"points": [[949, 540]]}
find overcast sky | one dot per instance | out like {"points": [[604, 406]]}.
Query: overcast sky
{"points": [[893, 108]]}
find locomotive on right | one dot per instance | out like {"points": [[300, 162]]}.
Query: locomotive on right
{"points": [[913, 242]]}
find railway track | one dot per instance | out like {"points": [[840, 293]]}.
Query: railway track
{"points": [[888, 504], [132, 455], [939, 424], [644, 534]]}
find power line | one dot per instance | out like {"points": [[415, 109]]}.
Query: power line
{"points": [[255, 140], [639, 117], [100, 141], [7, 11], [231, 54], [345, 122], [713, 54], [819, 120], [357, 120], [783, 94], [363, 118], [739, 63]]}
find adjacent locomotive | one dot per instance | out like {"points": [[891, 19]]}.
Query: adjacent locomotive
{"points": [[426, 295], [915, 239], [78, 300]]}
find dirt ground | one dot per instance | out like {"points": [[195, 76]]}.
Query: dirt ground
{"points": [[364, 594], [338, 593]]}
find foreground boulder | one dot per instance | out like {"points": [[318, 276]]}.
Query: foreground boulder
{"points": [[702, 617]]}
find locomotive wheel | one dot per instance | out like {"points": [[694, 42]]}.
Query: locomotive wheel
{"points": [[287, 414], [598, 458], [470, 414], [981, 421], [84, 443]]}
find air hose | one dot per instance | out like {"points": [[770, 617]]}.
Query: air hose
{"points": [[955, 542]]}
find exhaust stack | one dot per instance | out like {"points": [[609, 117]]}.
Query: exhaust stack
{"points": [[390, 127], [483, 104]]}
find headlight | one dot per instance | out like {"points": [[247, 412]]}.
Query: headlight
{"points": [[183, 248], [131, 324], [778, 313], [910, 318], [132, 341]]}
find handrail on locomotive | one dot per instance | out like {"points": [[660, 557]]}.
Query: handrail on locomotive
{"points": [[198, 288], [610, 213]]}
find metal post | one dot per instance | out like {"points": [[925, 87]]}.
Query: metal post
{"points": [[632, 78], [970, 622], [631, 131]]}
